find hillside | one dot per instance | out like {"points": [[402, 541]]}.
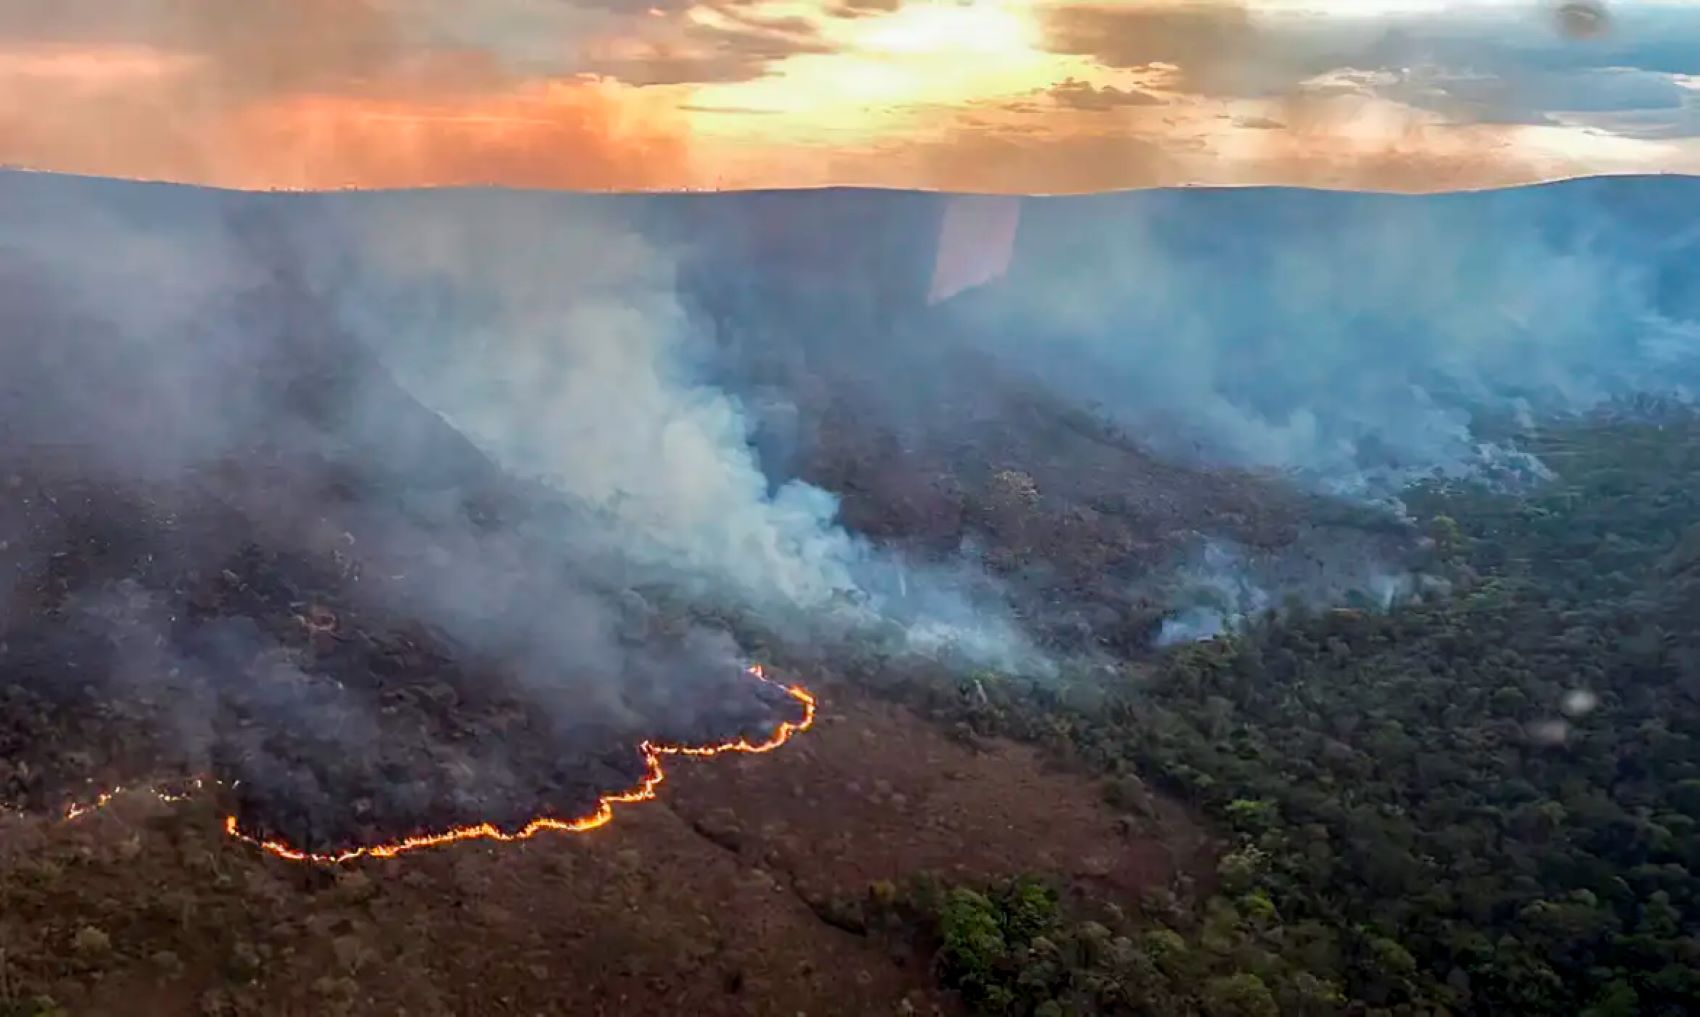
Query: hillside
{"points": [[383, 514]]}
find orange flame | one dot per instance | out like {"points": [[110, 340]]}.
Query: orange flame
{"points": [[78, 809], [603, 814]]}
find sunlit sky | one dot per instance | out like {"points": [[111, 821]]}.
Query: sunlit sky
{"points": [[981, 95]]}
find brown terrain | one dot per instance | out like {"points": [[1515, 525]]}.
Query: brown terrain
{"points": [[714, 899]]}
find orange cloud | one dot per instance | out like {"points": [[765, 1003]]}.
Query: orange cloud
{"points": [[83, 70], [310, 94], [988, 95], [257, 46], [551, 134], [1335, 141], [129, 111], [1330, 142], [1212, 43]]}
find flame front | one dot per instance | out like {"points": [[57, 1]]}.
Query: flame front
{"points": [[601, 816]]}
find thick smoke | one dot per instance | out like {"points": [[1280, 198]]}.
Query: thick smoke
{"points": [[552, 334], [1350, 343], [543, 328], [222, 513], [1354, 341]]}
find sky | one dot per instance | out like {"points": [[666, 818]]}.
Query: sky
{"points": [[1006, 96]]}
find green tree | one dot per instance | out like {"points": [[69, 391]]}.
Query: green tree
{"points": [[1241, 995]]}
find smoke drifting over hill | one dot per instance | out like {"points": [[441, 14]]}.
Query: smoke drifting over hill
{"points": [[1353, 340], [598, 409], [223, 507], [480, 423]]}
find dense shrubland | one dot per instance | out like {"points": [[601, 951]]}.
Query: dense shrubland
{"points": [[1484, 801]]}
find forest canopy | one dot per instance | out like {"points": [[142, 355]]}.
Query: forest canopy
{"points": [[1483, 801]]}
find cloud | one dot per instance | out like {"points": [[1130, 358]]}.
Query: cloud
{"points": [[275, 45], [310, 94], [1407, 102], [1508, 70], [1359, 142], [165, 126], [1539, 97], [719, 44], [283, 46], [1348, 141], [548, 134], [374, 93], [728, 110], [863, 8], [1209, 42], [1501, 65], [622, 93], [1083, 95]]}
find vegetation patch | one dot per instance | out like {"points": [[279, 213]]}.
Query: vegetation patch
{"points": [[1484, 801]]}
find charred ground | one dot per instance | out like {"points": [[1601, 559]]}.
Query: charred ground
{"points": [[242, 616]]}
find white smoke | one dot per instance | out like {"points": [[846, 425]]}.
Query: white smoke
{"points": [[551, 334], [1352, 341], [1225, 586], [1214, 596]]}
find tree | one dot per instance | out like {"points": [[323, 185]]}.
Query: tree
{"points": [[1241, 995]]}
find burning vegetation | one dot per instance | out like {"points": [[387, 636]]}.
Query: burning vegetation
{"points": [[382, 545], [645, 790], [256, 559]]}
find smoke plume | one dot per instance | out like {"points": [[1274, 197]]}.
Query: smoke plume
{"points": [[1353, 341], [544, 329], [553, 335], [1222, 586]]}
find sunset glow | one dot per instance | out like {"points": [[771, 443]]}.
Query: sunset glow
{"points": [[1003, 95]]}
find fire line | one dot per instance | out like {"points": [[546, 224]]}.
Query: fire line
{"points": [[601, 816]]}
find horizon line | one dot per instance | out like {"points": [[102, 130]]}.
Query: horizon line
{"points": [[815, 188]]}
